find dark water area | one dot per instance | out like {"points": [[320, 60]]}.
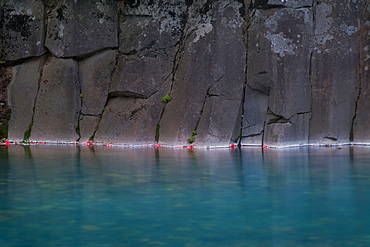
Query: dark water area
{"points": [[110, 197]]}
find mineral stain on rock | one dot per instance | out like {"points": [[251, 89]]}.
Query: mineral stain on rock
{"points": [[19, 24], [254, 72]]}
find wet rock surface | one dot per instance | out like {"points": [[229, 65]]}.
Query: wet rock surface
{"points": [[22, 96], [58, 102], [335, 71], [278, 76], [95, 74], [6, 75], [258, 72], [209, 76], [361, 118]]}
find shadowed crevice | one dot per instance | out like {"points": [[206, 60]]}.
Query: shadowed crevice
{"points": [[126, 94]]}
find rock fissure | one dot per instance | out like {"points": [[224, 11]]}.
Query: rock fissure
{"points": [[179, 51], [78, 130], [180, 45], [360, 77], [126, 94], [263, 89], [248, 17], [90, 115], [28, 132], [271, 6], [254, 135], [329, 138], [263, 134], [195, 130], [281, 4], [91, 138]]}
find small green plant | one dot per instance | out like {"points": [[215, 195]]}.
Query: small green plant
{"points": [[166, 98], [27, 133], [191, 139], [3, 129], [2, 62], [81, 95]]}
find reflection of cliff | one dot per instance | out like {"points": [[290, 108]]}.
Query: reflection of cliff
{"points": [[255, 72]]}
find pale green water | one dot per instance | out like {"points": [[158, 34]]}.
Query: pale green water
{"points": [[83, 196]]}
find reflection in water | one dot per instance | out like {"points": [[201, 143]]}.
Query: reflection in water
{"points": [[94, 196]]}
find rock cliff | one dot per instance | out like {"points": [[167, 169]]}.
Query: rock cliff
{"points": [[252, 72]]}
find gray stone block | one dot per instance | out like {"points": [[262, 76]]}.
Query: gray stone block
{"points": [[361, 124], [95, 75], [254, 116], [87, 126], [148, 44], [22, 97], [220, 122], [138, 34], [290, 46], [142, 77], [130, 120], [212, 64], [22, 29], [134, 107], [58, 102], [290, 132], [278, 75], [334, 74], [78, 28], [253, 135], [151, 29], [6, 76]]}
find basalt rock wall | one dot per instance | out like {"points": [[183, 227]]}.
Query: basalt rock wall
{"points": [[252, 72]]}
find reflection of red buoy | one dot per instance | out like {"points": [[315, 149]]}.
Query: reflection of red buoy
{"points": [[264, 146], [88, 144], [108, 145]]}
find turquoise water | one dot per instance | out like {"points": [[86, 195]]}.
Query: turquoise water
{"points": [[97, 196]]}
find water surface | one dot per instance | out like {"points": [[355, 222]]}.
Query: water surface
{"points": [[97, 196]]}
